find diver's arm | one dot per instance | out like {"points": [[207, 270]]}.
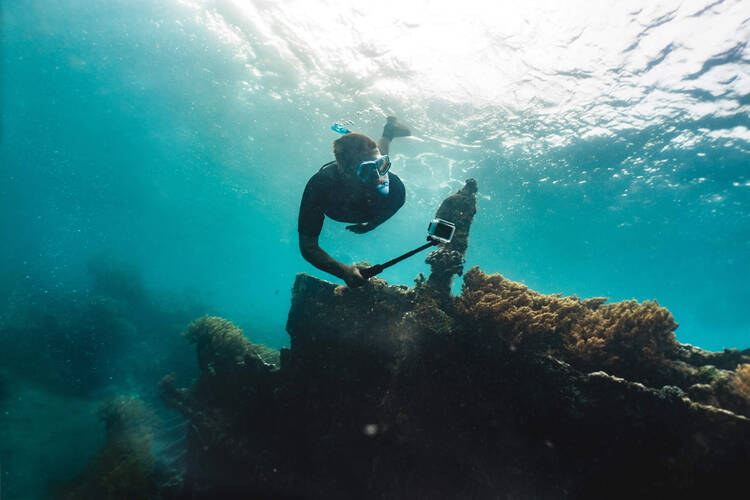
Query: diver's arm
{"points": [[318, 257], [366, 227], [310, 223]]}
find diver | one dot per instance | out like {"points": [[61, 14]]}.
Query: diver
{"points": [[357, 187]]}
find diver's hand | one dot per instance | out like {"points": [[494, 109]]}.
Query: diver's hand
{"points": [[353, 277], [359, 228]]}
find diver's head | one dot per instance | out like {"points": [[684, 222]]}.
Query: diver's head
{"points": [[352, 149]]}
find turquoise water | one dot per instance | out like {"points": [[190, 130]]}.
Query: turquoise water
{"points": [[611, 147], [173, 140]]}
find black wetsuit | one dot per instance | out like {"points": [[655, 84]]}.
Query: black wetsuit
{"points": [[346, 199]]}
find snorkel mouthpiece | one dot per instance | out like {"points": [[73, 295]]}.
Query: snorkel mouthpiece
{"points": [[384, 188]]}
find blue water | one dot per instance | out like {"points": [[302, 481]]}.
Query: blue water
{"points": [[611, 145]]}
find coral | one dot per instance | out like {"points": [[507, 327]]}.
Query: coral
{"points": [[740, 387], [623, 333], [520, 315], [124, 468], [624, 336], [729, 389], [741, 382]]}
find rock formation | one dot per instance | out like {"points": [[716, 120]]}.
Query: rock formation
{"points": [[448, 260]]}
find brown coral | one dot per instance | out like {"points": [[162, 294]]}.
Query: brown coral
{"points": [[624, 332], [585, 332], [519, 314]]}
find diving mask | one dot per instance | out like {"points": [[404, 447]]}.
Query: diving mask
{"points": [[380, 165]]}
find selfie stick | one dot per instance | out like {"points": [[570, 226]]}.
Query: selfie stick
{"points": [[378, 268]]}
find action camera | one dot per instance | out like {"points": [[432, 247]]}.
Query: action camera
{"points": [[440, 231]]}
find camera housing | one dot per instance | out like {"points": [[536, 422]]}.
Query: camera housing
{"points": [[440, 231]]}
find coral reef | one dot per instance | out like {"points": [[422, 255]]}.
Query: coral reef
{"points": [[626, 332], [502, 392], [626, 338], [521, 316]]}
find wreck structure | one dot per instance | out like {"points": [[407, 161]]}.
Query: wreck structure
{"points": [[408, 392]]}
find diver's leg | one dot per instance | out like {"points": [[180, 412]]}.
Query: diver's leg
{"points": [[393, 128], [384, 145]]}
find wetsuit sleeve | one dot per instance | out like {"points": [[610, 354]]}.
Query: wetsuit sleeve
{"points": [[313, 205]]}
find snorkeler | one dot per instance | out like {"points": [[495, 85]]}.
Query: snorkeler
{"points": [[357, 187]]}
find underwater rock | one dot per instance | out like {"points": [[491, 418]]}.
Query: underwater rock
{"points": [[727, 359]]}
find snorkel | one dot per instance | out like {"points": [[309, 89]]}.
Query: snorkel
{"points": [[340, 129]]}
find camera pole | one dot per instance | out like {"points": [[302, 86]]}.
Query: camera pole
{"points": [[378, 268]]}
